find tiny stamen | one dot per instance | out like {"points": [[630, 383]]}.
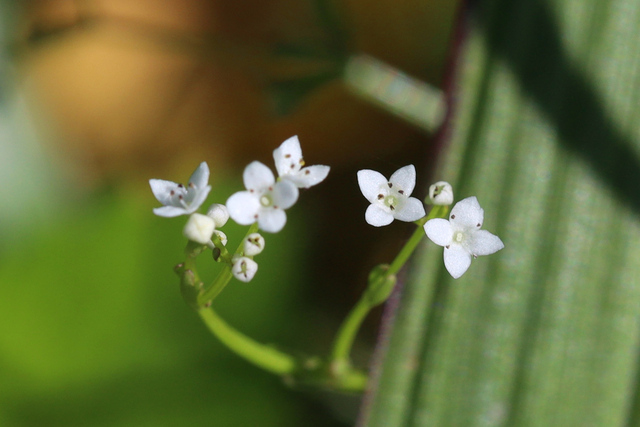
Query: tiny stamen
{"points": [[401, 191], [390, 185], [380, 196], [287, 156], [453, 217]]}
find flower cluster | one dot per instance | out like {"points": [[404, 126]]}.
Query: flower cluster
{"points": [[264, 202], [266, 199], [460, 235]]}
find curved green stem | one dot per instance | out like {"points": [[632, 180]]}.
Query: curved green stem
{"points": [[349, 329], [261, 355], [346, 336]]}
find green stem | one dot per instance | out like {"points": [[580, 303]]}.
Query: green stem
{"points": [[349, 329], [346, 336], [225, 276], [407, 250], [263, 356]]}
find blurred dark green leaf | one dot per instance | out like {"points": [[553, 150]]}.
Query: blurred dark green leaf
{"points": [[546, 135]]}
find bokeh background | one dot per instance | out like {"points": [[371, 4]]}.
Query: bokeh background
{"points": [[97, 97]]}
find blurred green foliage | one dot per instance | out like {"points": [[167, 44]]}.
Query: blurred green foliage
{"points": [[94, 331]]}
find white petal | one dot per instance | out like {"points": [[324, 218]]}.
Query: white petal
{"points": [[370, 182], [200, 177], [161, 189], [412, 210], [457, 260], [467, 213], [169, 211], [377, 216], [285, 194], [289, 153], [309, 176], [200, 196], [405, 178], [272, 220], [439, 231], [484, 243], [243, 207], [257, 176]]}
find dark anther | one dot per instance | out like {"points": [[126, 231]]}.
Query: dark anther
{"points": [[286, 156], [180, 197], [180, 185], [479, 225], [453, 217], [401, 191], [307, 172], [270, 188], [390, 185], [172, 193], [251, 190], [392, 208], [293, 165], [275, 207], [255, 216], [380, 196], [448, 246], [191, 185]]}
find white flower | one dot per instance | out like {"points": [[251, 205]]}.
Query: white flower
{"points": [[199, 228], [441, 193], [179, 199], [264, 201], [289, 164], [253, 244], [244, 268], [219, 213], [461, 236], [390, 199]]}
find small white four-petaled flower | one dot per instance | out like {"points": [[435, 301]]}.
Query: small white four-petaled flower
{"points": [[289, 164], [264, 201], [179, 199], [390, 198], [461, 236]]}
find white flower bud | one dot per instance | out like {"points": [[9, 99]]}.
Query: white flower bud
{"points": [[253, 244], [244, 268], [219, 214], [199, 228], [441, 193], [221, 236]]}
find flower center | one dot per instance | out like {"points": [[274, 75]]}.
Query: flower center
{"points": [[266, 200], [458, 236], [391, 201]]}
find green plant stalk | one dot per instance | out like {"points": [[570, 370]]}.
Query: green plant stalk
{"points": [[346, 335], [263, 356], [225, 276]]}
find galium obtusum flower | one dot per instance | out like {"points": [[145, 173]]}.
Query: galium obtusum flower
{"points": [[264, 201], [461, 236], [244, 268], [179, 199], [441, 193], [390, 198], [253, 244], [289, 164]]}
